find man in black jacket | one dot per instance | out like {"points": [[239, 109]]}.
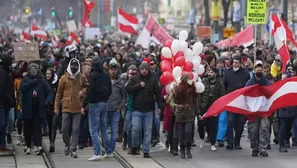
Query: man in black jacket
{"points": [[234, 79], [146, 91], [98, 93], [6, 98]]}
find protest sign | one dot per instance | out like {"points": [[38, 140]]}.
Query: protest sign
{"points": [[26, 51], [256, 11]]}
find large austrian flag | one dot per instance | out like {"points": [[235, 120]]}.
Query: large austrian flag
{"points": [[257, 100], [127, 23]]}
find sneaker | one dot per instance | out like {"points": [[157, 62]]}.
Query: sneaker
{"points": [[35, 149], [213, 148], [155, 142], [229, 146], [28, 151], [129, 151], [73, 154], [95, 158], [146, 155], [201, 144], [52, 147], [283, 149], [80, 146], [66, 151], [263, 153], [40, 150], [255, 153], [221, 143], [9, 139], [106, 156]]}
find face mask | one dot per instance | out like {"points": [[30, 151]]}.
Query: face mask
{"points": [[33, 72], [74, 69], [235, 69], [258, 74], [189, 82]]}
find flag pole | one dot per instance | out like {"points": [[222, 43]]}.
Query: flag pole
{"points": [[255, 42]]}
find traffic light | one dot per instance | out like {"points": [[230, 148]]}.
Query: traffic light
{"points": [[70, 12], [27, 10], [53, 12]]}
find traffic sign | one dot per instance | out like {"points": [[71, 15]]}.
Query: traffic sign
{"points": [[229, 32], [256, 11]]}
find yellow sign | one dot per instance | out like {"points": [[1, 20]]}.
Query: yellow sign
{"points": [[216, 10], [229, 32], [256, 11]]}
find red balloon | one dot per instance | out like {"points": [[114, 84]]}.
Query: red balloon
{"points": [[188, 67], [166, 66], [166, 78], [180, 53], [168, 43], [164, 58], [180, 61]]}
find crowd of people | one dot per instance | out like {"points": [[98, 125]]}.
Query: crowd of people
{"points": [[112, 89]]}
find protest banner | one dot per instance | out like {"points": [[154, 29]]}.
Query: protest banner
{"points": [[26, 51], [256, 11]]}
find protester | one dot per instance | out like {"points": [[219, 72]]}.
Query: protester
{"points": [[36, 95]]}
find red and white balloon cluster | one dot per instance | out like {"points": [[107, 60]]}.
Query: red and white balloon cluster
{"points": [[177, 59]]}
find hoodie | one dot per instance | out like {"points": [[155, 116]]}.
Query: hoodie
{"points": [[69, 68]]}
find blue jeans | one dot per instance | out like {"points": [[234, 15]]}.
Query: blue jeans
{"points": [[157, 121], [128, 128], [113, 118], [97, 120], [235, 122], [283, 129], [3, 127], [142, 121], [10, 121]]}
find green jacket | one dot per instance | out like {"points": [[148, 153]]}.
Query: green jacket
{"points": [[211, 93]]}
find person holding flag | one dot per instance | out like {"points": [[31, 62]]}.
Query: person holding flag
{"points": [[258, 127]]}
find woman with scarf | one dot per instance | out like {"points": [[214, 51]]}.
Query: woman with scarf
{"points": [[52, 80], [36, 95], [183, 102]]}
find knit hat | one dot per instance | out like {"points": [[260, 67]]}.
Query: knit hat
{"points": [[33, 65], [133, 55], [132, 67], [95, 61], [5, 60], [113, 63], [278, 57], [144, 65]]}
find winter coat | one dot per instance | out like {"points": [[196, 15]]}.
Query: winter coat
{"points": [[54, 85], [235, 80], [6, 89], [44, 92], [68, 91], [168, 113], [211, 93], [118, 97], [144, 98]]}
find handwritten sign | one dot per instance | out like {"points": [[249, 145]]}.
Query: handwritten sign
{"points": [[26, 51], [256, 11]]}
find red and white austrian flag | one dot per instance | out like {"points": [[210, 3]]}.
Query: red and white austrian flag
{"points": [[72, 39], [127, 23], [257, 100], [37, 32], [281, 34], [25, 37]]}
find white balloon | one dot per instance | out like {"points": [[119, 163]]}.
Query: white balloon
{"points": [[199, 79], [166, 52], [197, 48], [175, 46], [188, 54], [195, 76], [167, 88], [183, 45], [183, 35], [178, 80], [201, 70], [176, 72], [196, 64], [199, 87]]}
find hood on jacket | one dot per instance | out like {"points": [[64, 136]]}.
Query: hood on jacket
{"points": [[69, 69], [97, 63], [39, 74], [54, 77]]}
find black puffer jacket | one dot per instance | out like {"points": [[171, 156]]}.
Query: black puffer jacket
{"points": [[144, 98]]}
